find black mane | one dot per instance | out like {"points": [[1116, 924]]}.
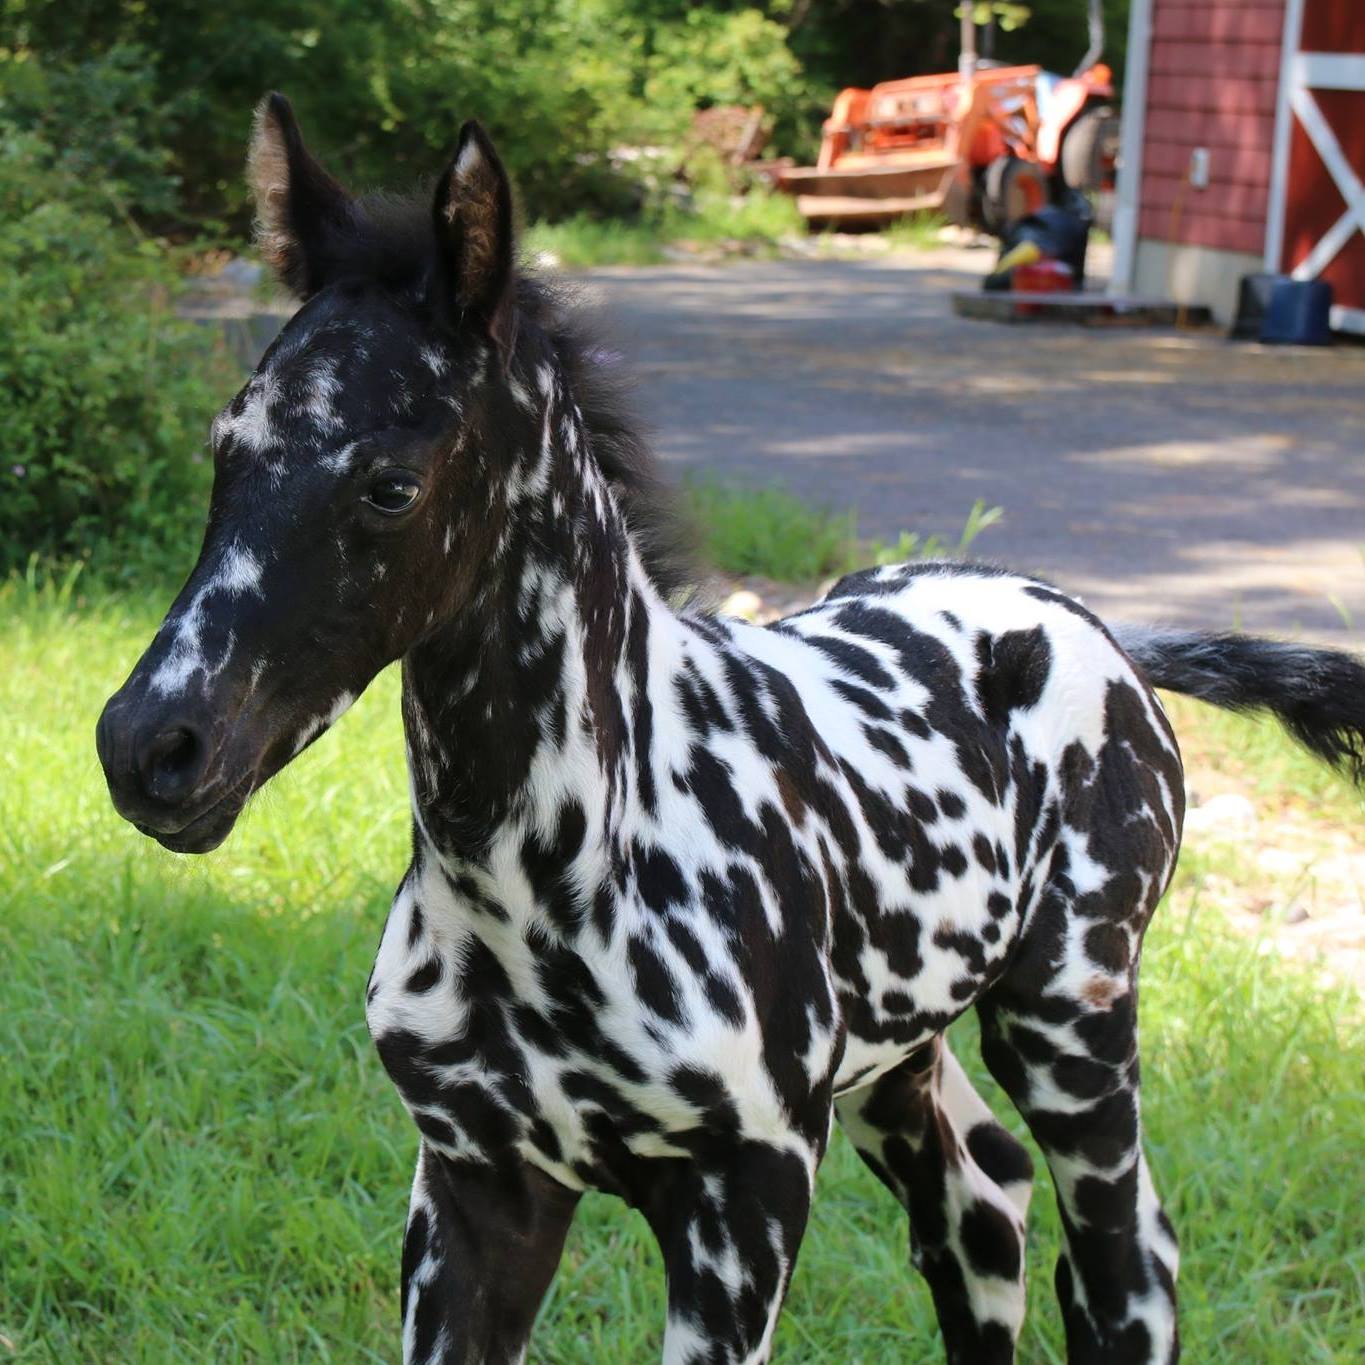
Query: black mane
{"points": [[390, 240], [602, 389]]}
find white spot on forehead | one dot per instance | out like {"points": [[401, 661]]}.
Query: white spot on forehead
{"points": [[323, 388], [251, 427], [340, 461], [433, 360]]}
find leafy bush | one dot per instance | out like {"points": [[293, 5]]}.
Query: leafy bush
{"points": [[710, 57], [382, 86], [101, 121], [104, 394]]}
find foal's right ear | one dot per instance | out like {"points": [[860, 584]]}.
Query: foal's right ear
{"points": [[302, 214], [476, 236]]}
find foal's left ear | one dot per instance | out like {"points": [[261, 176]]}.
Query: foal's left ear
{"points": [[304, 218], [474, 230]]}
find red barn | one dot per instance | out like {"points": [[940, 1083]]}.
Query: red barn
{"points": [[1243, 150]]}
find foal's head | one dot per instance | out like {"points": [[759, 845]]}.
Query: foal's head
{"points": [[356, 503]]}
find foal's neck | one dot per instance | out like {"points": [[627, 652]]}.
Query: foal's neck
{"points": [[527, 715]]}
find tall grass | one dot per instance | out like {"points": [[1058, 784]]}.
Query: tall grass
{"points": [[756, 222], [771, 532], [201, 1159]]}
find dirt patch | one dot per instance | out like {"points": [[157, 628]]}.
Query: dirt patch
{"points": [[1289, 876]]}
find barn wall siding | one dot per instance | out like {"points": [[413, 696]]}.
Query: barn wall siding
{"points": [[1214, 76]]}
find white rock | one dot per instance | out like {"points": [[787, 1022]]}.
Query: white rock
{"points": [[744, 604]]}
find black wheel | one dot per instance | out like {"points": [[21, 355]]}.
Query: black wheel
{"points": [[1012, 189], [1090, 149]]}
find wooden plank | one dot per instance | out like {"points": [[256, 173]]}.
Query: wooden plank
{"points": [[852, 208], [1223, 199], [1199, 60], [1233, 97], [1228, 166], [1210, 23], [1223, 234], [1211, 128]]}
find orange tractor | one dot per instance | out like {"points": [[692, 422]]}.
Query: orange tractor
{"points": [[984, 145]]}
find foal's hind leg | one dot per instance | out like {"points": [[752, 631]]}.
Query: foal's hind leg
{"points": [[929, 1137], [1072, 1069]]}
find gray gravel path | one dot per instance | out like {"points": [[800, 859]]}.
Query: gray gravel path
{"points": [[1162, 476]]}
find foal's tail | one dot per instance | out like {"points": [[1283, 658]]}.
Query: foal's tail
{"points": [[1317, 694]]}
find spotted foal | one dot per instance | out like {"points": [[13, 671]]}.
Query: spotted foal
{"points": [[682, 889]]}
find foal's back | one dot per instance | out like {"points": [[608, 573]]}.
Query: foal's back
{"points": [[989, 770]]}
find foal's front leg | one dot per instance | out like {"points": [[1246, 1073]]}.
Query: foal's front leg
{"points": [[480, 1250], [729, 1229]]}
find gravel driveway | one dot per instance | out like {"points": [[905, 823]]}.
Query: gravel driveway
{"points": [[1161, 475]]}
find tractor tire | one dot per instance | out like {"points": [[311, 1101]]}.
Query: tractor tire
{"points": [[1012, 189], [1089, 147]]}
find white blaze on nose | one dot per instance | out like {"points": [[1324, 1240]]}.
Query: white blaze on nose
{"points": [[238, 572]]}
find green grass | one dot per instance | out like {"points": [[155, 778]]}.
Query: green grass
{"points": [[771, 532], [757, 223], [916, 231], [581, 242], [201, 1159], [754, 224]]}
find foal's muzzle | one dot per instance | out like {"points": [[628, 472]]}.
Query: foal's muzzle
{"points": [[161, 764]]}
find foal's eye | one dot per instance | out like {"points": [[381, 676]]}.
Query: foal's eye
{"points": [[393, 493]]}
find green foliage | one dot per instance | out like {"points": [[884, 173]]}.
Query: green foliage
{"points": [[755, 222], [99, 117], [770, 532], [581, 241], [916, 231], [761, 216], [715, 56], [382, 85], [201, 1158], [911, 545], [104, 394]]}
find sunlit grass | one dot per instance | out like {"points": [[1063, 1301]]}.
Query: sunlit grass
{"points": [[201, 1159], [771, 532], [754, 224]]}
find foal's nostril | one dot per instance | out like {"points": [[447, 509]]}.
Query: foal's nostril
{"points": [[172, 762]]}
